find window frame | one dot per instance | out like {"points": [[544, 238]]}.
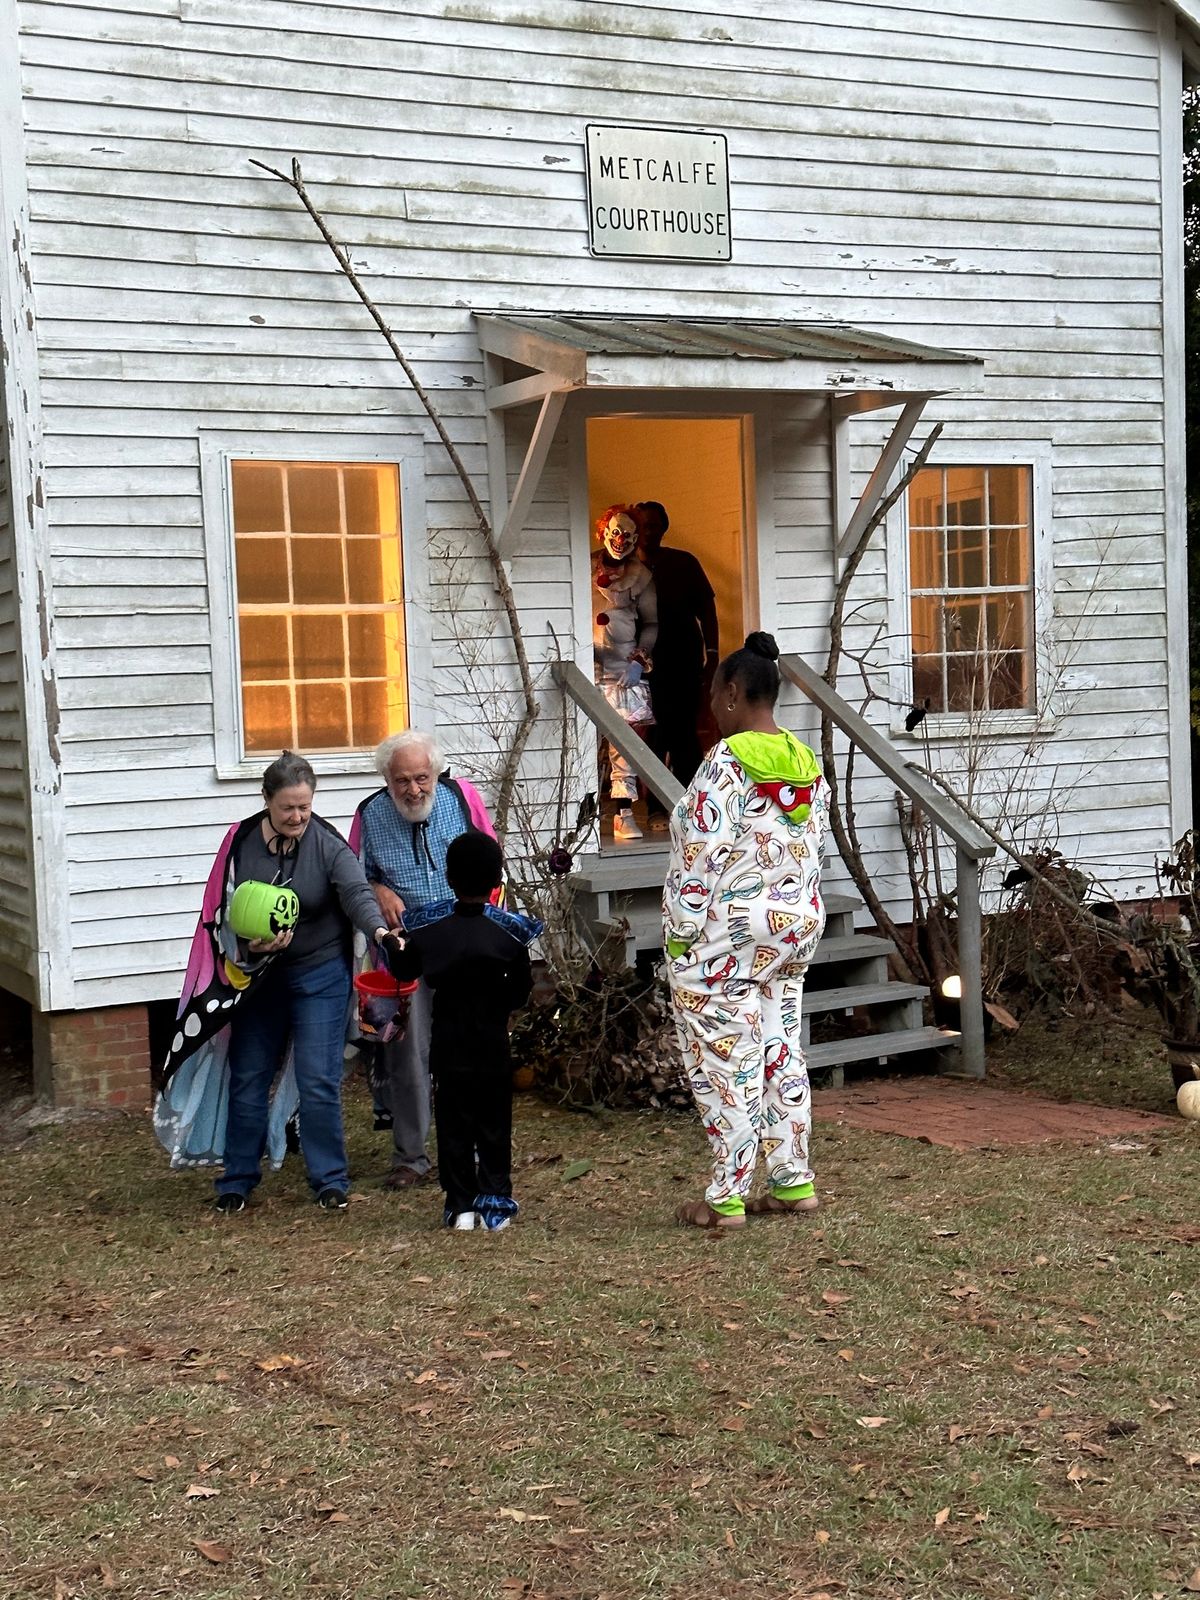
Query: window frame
{"points": [[1035, 456], [218, 450]]}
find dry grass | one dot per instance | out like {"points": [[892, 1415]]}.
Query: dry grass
{"points": [[595, 1403]]}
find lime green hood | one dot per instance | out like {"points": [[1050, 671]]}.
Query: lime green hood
{"points": [[781, 767]]}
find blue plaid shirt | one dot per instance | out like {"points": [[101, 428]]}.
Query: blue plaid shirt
{"points": [[410, 857]]}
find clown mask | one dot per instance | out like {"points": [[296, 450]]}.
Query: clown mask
{"points": [[618, 532]]}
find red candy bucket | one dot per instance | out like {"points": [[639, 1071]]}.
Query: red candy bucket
{"points": [[382, 1006]]}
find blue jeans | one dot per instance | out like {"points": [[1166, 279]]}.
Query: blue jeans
{"points": [[309, 1004]]}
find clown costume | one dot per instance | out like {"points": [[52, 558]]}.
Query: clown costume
{"points": [[624, 630]]}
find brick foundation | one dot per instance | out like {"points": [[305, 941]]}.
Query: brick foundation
{"points": [[92, 1060]]}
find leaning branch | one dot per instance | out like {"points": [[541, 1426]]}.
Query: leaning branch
{"points": [[512, 760], [847, 842]]}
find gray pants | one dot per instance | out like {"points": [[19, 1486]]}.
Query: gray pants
{"points": [[406, 1091]]}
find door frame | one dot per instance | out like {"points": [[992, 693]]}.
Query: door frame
{"points": [[753, 410]]}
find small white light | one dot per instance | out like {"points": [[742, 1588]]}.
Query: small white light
{"points": [[952, 987]]}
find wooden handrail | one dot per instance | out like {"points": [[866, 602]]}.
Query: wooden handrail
{"points": [[972, 844], [659, 779], [940, 809]]}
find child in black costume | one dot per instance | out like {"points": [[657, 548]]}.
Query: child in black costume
{"points": [[475, 959]]}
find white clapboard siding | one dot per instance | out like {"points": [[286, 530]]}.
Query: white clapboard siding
{"points": [[990, 184], [17, 927]]}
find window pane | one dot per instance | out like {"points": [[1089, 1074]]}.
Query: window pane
{"points": [[370, 706], [963, 622], [1011, 555], [964, 558], [1008, 494], [926, 624], [267, 716], [320, 650], [927, 682], [1009, 685], [317, 572], [1006, 622], [372, 499], [964, 496], [925, 499], [376, 644], [314, 500], [257, 497], [966, 689], [364, 569], [262, 571], [925, 558], [264, 648], [321, 718]]}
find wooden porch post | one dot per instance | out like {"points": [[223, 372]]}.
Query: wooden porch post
{"points": [[970, 965]]}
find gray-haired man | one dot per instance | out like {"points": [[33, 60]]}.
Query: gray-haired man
{"points": [[402, 833]]}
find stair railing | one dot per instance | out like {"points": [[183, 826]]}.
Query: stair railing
{"points": [[972, 845], [659, 779]]}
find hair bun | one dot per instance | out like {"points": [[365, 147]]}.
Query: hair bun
{"points": [[762, 644]]}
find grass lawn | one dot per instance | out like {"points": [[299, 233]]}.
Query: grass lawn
{"points": [[968, 1376]]}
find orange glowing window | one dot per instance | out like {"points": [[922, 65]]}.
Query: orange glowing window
{"points": [[970, 563], [320, 604]]}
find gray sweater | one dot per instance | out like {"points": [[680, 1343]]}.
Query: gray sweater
{"points": [[329, 883]]}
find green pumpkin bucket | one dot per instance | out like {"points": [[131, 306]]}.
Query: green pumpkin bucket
{"points": [[263, 910]]}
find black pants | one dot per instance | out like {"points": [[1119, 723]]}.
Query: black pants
{"points": [[675, 734], [472, 1108]]}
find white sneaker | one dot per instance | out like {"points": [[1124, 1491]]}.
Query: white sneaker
{"points": [[464, 1222], [625, 826]]}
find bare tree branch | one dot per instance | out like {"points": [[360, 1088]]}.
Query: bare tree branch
{"points": [[511, 762], [847, 844]]}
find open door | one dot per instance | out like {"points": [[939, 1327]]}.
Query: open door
{"points": [[695, 468]]}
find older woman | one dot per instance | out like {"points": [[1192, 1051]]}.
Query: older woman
{"points": [[253, 1006], [742, 914]]}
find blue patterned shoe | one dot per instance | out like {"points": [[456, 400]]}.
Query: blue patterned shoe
{"points": [[495, 1211]]}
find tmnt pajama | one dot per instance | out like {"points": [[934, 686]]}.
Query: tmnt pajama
{"points": [[742, 916], [750, 1082]]}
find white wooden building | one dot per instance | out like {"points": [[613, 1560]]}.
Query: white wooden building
{"points": [[225, 523]]}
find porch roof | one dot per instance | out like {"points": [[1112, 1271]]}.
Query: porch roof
{"points": [[568, 352]]}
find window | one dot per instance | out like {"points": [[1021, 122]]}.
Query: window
{"points": [[319, 604], [971, 594]]}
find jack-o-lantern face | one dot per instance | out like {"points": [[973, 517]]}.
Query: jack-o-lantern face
{"points": [[285, 912]]}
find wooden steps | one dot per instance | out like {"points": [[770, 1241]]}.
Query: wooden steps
{"points": [[880, 1017]]}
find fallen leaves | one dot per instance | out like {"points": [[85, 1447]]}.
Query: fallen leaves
{"points": [[216, 1553], [942, 1517], [1193, 1584], [200, 1491], [576, 1169], [835, 1297], [278, 1363], [511, 1514], [872, 1422]]}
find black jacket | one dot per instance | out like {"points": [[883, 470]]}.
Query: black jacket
{"points": [[476, 961]]}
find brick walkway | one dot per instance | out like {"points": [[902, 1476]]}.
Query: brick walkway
{"points": [[967, 1116]]}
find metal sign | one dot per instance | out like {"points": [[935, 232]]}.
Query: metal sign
{"points": [[658, 192]]}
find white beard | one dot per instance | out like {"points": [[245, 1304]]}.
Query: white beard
{"points": [[416, 810]]}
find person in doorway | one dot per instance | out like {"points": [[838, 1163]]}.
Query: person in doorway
{"points": [[475, 959], [685, 656], [402, 833], [742, 914], [624, 631], [263, 1019]]}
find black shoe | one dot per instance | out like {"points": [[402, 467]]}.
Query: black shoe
{"points": [[383, 1120], [332, 1200], [230, 1204]]}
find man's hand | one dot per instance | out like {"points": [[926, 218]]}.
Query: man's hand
{"points": [[391, 906], [267, 947]]}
